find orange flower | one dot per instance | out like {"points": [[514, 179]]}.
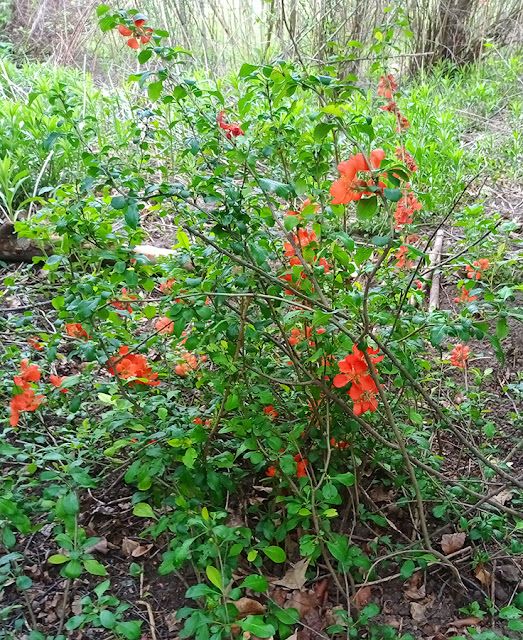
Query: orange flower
{"points": [[403, 263], [33, 342], [139, 33], [403, 156], [270, 411], [405, 210], [75, 330], [29, 373], [57, 382], [301, 464], [190, 363], [349, 187], [166, 287], [233, 130], [26, 401], [164, 325], [133, 366], [465, 296], [386, 86], [323, 263], [303, 238], [355, 371], [481, 265], [459, 356], [120, 305], [364, 395], [271, 472]]}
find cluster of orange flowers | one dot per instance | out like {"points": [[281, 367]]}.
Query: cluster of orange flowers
{"points": [[75, 330], [28, 400], [386, 87], [354, 371], [302, 239], [133, 367], [351, 185], [301, 466], [474, 272], [465, 296], [190, 363]]}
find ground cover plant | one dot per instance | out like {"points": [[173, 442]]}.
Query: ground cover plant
{"points": [[301, 418]]}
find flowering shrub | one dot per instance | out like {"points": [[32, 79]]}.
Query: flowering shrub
{"points": [[284, 345]]}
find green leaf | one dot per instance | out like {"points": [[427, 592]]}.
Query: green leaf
{"points": [[189, 458], [201, 591], [101, 9], [145, 55], [502, 329], [74, 622], [154, 90], [51, 139], [366, 208], [24, 582], [320, 318], [256, 583], [362, 254], [380, 241], [143, 510], [437, 335], [132, 215], [8, 537], [290, 222], [394, 195], [407, 569], [108, 619], [276, 554], [131, 630], [72, 569], [279, 188], [232, 402], [95, 568], [214, 576], [70, 504], [183, 239], [322, 130], [58, 558], [247, 69], [257, 627], [287, 616], [346, 479], [118, 202]]}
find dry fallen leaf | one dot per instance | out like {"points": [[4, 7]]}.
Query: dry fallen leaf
{"points": [[321, 589], [380, 494], [304, 601], [502, 497], [418, 611], [362, 597], [128, 546], [452, 542], [141, 550], [295, 576], [465, 622], [249, 607], [415, 587], [484, 576], [102, 546]]}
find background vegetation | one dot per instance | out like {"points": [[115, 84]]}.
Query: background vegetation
{"points": [[182, 454]]}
